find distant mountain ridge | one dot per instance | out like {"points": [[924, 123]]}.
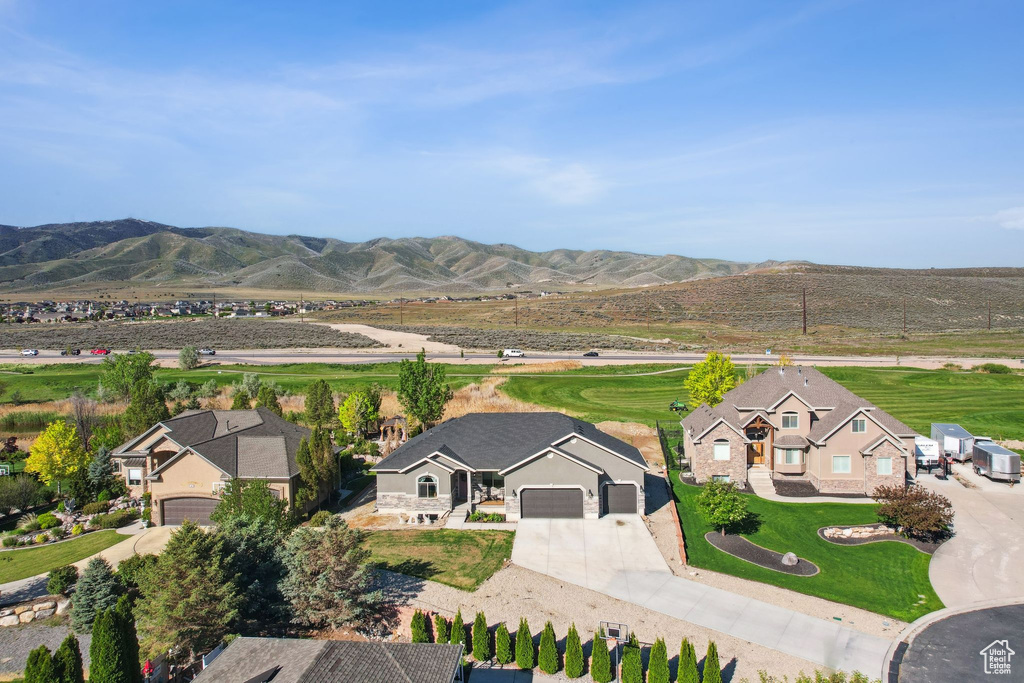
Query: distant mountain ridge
{"points": [[62, 255]]}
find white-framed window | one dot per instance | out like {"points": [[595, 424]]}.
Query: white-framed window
{"points": [[720, 478], [840, 464], [721, 449], [115, 465], [790, 420], [135, 476], [794, 456], [859, 425], [426, 486], [883, 465], [218, 487]]}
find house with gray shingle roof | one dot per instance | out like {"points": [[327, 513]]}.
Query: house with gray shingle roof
{"points": [[185, 462], [518, 464], [800, 426]]}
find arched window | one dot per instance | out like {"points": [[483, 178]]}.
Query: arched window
{"points": [[721, 449], [790, 421], [426, 486]]}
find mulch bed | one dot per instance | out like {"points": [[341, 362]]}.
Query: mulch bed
{"points": [[737, 546], [928, 547], [801, 488], [689, 480]]}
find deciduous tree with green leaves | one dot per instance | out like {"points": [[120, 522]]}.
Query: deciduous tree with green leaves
{"points": [[721, 504], [357, 413], [524, 646], [57, 453], [253, 499], [422, 389], [188, 358], [710, 379], [147, 406], [123, 371], [547, 658], [573, 653]]}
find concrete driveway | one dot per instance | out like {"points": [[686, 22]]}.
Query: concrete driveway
{"points": [[983, 560], [617, 556]]}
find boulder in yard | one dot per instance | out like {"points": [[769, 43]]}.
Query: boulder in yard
{"points": [[790, 559]]}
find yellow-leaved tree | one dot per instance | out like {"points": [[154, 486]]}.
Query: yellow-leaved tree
{"points": [[57, 453]]}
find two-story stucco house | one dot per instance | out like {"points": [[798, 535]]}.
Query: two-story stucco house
{"points": [[184, 462], [800, 425], [520, 464]]}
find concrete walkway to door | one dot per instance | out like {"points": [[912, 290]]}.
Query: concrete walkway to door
{"points": [[616, 555]]}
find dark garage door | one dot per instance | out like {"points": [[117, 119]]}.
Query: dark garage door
{"points": [[619, 498], [552, 503], [177, 510]]}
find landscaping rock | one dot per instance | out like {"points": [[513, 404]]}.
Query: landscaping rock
{"points": [[22, 609], [43, 613], [790, 559], [6, 612], [63, 606], [49, 604], [9, 620], [847, 533], [27, 617]]}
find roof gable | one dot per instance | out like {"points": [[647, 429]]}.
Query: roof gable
{"points": [[552, 451]]}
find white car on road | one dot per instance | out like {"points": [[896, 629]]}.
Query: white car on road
{"points": [[30, 352], [512, 353]]}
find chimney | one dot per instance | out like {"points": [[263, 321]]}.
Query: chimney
{"points": [[805, 381]]}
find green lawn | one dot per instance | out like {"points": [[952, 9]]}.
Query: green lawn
{"points": [[31, 561], [463, 559], [887, 577]]}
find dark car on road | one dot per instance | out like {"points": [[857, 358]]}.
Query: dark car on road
{"points": [[71, 352], [590, 354]]}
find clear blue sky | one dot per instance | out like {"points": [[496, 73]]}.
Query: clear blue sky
{"points": [[875, 133]]}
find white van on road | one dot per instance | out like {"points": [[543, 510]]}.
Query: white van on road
{"points": [[512, 353]]}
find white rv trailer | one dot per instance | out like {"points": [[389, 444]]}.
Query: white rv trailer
{"points": [[926, 452], [955, 441]]}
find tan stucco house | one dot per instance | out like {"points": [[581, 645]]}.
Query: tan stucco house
{"points": [[517, 464], [185, 462], [799, 425]]}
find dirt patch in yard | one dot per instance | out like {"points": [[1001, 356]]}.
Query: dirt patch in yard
{"points": [[638, 435]]}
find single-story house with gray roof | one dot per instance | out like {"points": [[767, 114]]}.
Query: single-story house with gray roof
{"points": [[519, 464]]}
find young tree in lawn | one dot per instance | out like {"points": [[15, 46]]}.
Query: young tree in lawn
{"points": [[422, 389], [710, 379], [266, 397], [721, 504], [147, 406], [547, 658], [481, 638], [39, 668], [418, 628], [657, 663], [319, 403], [502, 645], [524, 646], [67, 661], [188, 358], [195, 601], [329, 576], [573, 653], [57, 453], [600, 660], [122, 372], [687, 669], [252, 499], [440, 629], [920, 512], [712, 667], [241, 400], [97, 589], [457, 635]]}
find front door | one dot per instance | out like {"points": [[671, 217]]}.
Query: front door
{"points": [[758, 452], [461, 487]]}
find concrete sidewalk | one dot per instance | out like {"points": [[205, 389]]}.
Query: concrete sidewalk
{"points": [[616, 556]]}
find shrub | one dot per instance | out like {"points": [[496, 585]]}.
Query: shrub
{"points": [[57, 533], [320, 519], [712, 667], [548, 657], [28, 519], [481, 638], [632, 665], [10, 541], [573, 654], [188, 358], [114, 520], [601, 661], [457, 636], [419, 627], [994, 369], [502, 645], [440, 629], [95, 508], [77, 530], [919, 512], [47, 520], [524, 646], [492, 517], [41, 538], [60, 579], [657, 665], [103, 497], [129, 570]]}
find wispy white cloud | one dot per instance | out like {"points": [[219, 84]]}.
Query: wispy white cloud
{"points": [[1011, 219]]}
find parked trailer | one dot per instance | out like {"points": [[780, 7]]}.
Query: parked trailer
{"points": [[995, 462], [926, 452], [955, 441]]}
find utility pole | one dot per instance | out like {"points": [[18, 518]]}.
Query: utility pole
{"points": [[990, 314], [302, 307], [805, 310]]}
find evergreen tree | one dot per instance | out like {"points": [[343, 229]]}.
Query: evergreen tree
{"points": [[687, 672], [548, 657], [100, 471], [322, 452], [97, 589], [657, 664], [67, 662], [418, 628], [524, 646], [39, 668], [481, 638], [319, 403], [458, 632], [600, 660], [147, 406], [267, 398], [573, 654], [241, 401], [712, 667], [131, 638], [502, 645], [108, 653], [440, 629], [632, 665]]}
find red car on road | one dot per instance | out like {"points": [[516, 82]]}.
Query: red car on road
{"points": [[100, 352]]}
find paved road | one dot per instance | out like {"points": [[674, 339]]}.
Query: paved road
{"points": [[616, 555]]}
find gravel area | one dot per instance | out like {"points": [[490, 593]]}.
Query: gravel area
{"points": [[17, 641], [737, 546], [924, 546]]}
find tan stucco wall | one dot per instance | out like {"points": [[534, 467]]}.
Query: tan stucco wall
{"points": [[793, 405]]}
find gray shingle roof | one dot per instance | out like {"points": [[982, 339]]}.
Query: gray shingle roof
{"points": [[326, 661], [791, 441], [494, 441]]}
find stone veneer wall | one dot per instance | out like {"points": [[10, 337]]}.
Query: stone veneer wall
{"points": [[704, 465], [395, 503], [30, 611], [872, 479]]}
